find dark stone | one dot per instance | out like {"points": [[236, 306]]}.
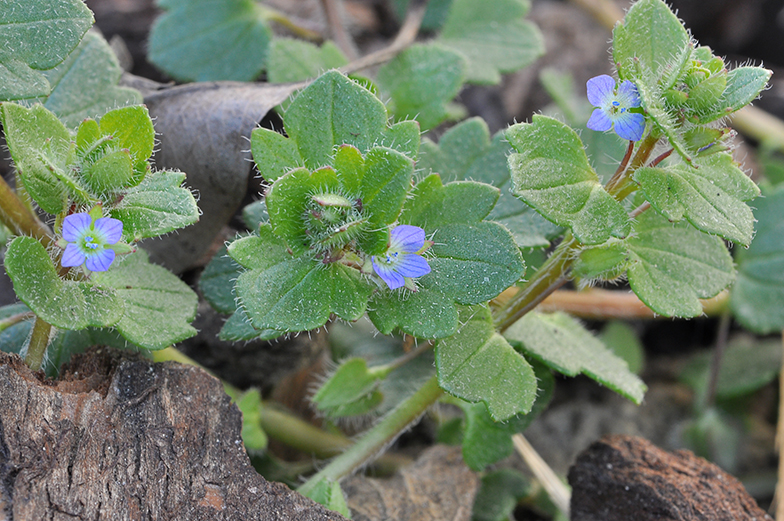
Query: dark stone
{"points": [[622, 478], [121, 438]]}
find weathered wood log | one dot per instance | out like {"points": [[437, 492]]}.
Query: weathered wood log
{"points": [[621, 478], [120, 438]]}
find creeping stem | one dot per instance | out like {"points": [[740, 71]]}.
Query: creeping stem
{"points": [[383, 433]]}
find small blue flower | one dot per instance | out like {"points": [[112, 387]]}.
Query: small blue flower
{"points": [[88, 239], [613, 107], [402, 259]]}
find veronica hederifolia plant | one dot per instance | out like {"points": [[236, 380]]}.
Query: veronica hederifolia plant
{"points": [[97, 184], [350, 233]]}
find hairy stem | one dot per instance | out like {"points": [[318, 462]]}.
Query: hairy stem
{"points": [[378, 437], [621, 184], [718, 355], [39, 341], [550, 277], [17, 218]]}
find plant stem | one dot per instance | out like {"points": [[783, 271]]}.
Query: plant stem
{"points": [[559, 493], [283, 20], [618, 186], [333, 11], [405, 37], [17, 218], [549, 277], [718, 355], [15, 319], [383, 433], [39, 341]]}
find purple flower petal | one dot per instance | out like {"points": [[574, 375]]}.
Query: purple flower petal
{"points": [[412, 265], [599, 121], [74, 225], [407, 238], [101, 260], [630, 126], [72, 256], [393, 279], [111, 229], [627, 95], [600, 90]]}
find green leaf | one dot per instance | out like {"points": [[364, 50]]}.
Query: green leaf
{"points": [[671, 266], [333, 110], [205, 40], [292, 60], [651, 34], [286, 201], [330, 495], [131, 128], [275, 154], [37, 35], [403, 136], [64, 304], [744, 84], [427, 313], [255, 214], [499, 493], [493, 36], [465, 152], [709, 195], [385, 181], [435, 14], [159, 307], [621, 338], [421, 81], [757, 297], [112, 172], [217, 282], [486, 441], [478, 364], [159, 205], [239, 329], [746, 366], [551, 173], [564, 345], [350, 391], [288, 293], [253, 436], [40, 146], [85, 84], [13, 338], [434, 204]]}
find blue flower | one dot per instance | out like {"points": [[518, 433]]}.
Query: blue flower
{"points": [[402, 259], [88, 240], [613, 107]]}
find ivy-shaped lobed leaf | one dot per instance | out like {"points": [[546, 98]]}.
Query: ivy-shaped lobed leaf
{"points": [[291, 60], [421, 81], [41, 148], [36, 36], [206, 40], [486, 441], [669, 266], [650, 34], [62, 303], [710, 195], [472, 260], [333, 111], [477, 364], [159, 307], [84, 85], [493, 36], [550, 172], [564, 345], [466, 152], [757, 297]]}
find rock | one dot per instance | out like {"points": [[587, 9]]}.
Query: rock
{"points": [[619, 478], [119, 437], [437, 486]]}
